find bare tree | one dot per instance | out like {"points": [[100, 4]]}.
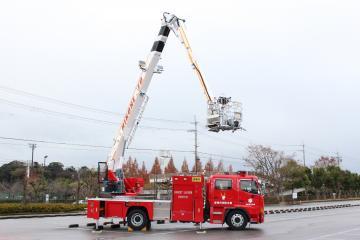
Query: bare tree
{"points": [[324, 162], [267, 162]]}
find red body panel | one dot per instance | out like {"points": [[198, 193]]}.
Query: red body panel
{"points": [[93, 209], [187, 199], [114, 208]]}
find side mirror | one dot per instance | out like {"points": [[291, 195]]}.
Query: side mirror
{"points": [[263, 188]]}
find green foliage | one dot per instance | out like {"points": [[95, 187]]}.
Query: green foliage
{"points": [[18, 208], [294, 175], [12, 171]]}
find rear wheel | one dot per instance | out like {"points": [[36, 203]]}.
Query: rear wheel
{"points": [[236, 220], [137, 219]]}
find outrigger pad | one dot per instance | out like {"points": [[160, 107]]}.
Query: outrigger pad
{"points": [[115, 226], [142, 230], [90, 224], [99, 228], [73, 225]]}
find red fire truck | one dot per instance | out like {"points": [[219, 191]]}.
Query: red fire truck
{"points": [[232, 199]]}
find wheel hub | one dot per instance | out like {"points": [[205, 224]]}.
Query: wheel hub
{"points": [[137, 219], [237, 220]]}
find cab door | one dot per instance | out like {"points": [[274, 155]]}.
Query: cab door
{"points": [[249, 192], [224, 191], [250, 197]]}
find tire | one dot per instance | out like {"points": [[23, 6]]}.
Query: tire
{"points": [[148, 226], [137, 219], [236, 220]]}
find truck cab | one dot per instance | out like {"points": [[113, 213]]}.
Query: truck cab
{"points": [[234, 199]]}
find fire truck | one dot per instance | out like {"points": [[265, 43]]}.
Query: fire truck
{"points": [[234, 199]]}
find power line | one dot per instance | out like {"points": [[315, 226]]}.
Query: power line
{"points": [[248, 139], [77, 117], [78, 106], [53, 142], [107, 147], [219, 155], [222, 140], [12, 144]]}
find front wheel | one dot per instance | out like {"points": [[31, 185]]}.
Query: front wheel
{"points": [[236, 220], [137, 219]]}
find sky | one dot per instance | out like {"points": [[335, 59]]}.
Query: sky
{"points": [[294, 65]]}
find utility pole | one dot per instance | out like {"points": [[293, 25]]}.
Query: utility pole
{"points": [[303, 151], [338, 158], [195, 131], [32, 146], [26, 180]]}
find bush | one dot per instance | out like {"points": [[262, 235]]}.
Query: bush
{"points": [[271, 200], [19, 208]]}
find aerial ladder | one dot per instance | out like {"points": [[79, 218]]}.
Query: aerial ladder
{"points": [[223, 113]]}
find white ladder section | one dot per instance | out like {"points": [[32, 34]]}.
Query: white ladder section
{"points": [[138, 119]]}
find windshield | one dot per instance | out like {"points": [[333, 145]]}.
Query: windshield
{"points": [[249, 186]]}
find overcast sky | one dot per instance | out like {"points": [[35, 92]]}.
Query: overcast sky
{"points": [[294, 65]]}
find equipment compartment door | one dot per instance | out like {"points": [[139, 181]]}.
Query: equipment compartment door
{"points": [[187, 199], [183, 204]]}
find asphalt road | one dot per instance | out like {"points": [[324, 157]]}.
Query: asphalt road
{"points": [[332, 224]]}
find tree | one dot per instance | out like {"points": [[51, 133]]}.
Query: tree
{"points": [[220, 167], [294, 176], [170, 168], [197, 166], [266, 162], [88, 182], [318, 180], [131, 168], [324, 162], [209, 167], [12, 171], [54, 170], [70, 173], [335, 179], [156, 169], [185, 167], [38, 187], [134, 169], [230, 168], [143, 173]]}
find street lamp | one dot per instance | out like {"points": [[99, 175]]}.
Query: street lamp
{"points": [[45, 157]]}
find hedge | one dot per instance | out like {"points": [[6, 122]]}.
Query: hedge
{"points": [[19, 208]]}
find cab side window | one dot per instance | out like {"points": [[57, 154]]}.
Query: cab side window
{"points": [[249, 186], [223, 184]]}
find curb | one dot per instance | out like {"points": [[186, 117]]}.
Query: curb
{"points": [[307, 209], [43, 215]]}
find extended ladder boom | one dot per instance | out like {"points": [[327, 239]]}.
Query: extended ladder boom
{"points": [[221, 115], [136, 106]]}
